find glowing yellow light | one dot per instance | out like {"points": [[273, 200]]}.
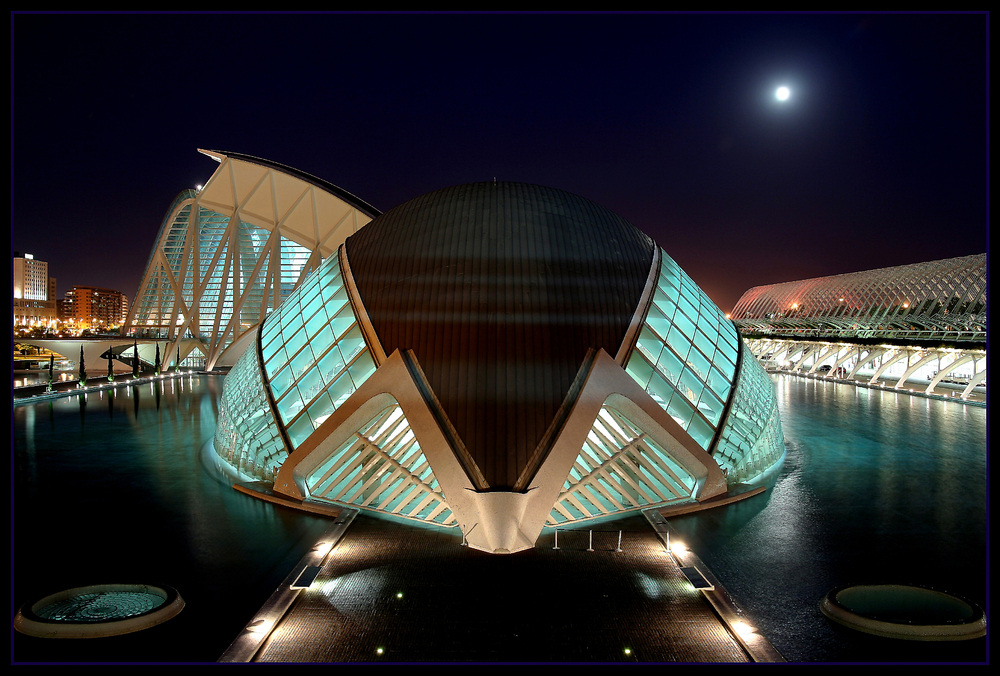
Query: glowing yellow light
{"points": [[399, 595], [260, 627], [743, 629], [378, 651], [678, 547], [628, 651]]}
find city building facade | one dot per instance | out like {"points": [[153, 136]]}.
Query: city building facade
{"points": [[87, 307], [34, 301]]}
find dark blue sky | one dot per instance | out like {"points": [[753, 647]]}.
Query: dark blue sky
{"points": [[879, 158]]}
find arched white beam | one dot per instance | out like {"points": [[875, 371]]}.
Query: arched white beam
{"points": [[848, 353], [893, 356], [944, 370], [912, 368], [292, 208], [827, 352], [807, 352], [979, 377], [867, 359]]}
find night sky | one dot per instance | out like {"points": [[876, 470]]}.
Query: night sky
{"points": [[878, 158]]}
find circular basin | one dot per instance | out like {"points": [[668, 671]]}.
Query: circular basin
{"points": [[99, 610], [903, 611]]}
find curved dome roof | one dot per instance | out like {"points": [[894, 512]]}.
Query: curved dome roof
{"points": [[500, 290]]}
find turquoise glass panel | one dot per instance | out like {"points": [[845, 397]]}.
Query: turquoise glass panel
{"points": [[701, 432], [728, 354], [666, 307], [302, 362], [281, 381], [639, 369], [719, 383], [320, 409], [300, 430], [293, 344], [310, 385], [342, 321], [690, 386], [341, 389], [685, 324], [699, 364], [290, 404], [658, 322], [331, 364], [362, 367], [678, 342], [659, 389], [710, 407], [649, 344], [352, 343], [680, 410], [670, 366]]}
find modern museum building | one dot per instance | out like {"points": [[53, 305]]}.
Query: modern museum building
{"points": [[496, 357]]}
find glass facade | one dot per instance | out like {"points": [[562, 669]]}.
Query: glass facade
{"points": [[246, 436], [751, 440], [686, 354], [211, 279], [315, 357], [313, 352], [311, 357]]}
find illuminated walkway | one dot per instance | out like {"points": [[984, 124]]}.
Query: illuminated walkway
{"points": [[388, 594]]}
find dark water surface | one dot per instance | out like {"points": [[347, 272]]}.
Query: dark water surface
{"points": [[111, 489], [876, 488]]}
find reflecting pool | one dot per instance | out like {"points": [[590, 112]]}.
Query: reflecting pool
{"points": [[876, 488], [109, 488]]}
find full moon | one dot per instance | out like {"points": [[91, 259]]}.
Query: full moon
{"points": [[782, 93]]}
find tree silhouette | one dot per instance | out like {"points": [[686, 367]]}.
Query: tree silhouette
{"points": [[83, 369]]}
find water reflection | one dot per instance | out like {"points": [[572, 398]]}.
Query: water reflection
{"points": [[876, 487], [109, 487]]}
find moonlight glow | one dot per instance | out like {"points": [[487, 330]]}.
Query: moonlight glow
{"points": [[782, 93]]}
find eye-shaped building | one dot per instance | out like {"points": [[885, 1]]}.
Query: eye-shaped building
{"points": [[498, 357]]}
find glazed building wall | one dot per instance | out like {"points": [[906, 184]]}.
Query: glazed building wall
{"points": [[686, 359]]}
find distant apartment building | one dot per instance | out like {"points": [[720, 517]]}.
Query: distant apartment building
{"points": [[34, 292], [93, 307]]}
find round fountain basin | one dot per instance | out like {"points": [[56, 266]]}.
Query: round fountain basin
{"points": [[98, 610], [906, 612]]}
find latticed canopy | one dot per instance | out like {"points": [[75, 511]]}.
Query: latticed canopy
{"points": [[943, 299]]}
